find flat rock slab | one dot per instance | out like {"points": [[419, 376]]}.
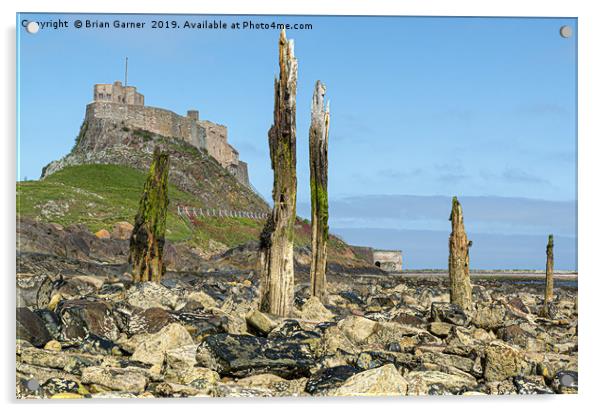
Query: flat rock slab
{"points": [[115, 378], [383, 381], [153, 348], [242, 355]]}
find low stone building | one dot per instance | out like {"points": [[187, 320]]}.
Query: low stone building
{"points": [[387, 260], [123, 104]]}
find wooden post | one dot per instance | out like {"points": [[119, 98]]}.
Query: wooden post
{"points": [[458, 264], [318, 168], [276, 265], [148, 235], [549, 293]]}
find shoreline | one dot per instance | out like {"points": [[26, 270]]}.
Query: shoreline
{"points": [[492, 274]]}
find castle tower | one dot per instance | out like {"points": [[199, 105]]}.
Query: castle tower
{"points": [[117, 93], [193, 114]]}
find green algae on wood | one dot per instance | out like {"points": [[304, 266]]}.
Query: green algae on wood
{"points": [[148, 236], [318, 166]]}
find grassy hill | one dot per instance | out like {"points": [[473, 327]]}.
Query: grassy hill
{"points": [[100, 195]]}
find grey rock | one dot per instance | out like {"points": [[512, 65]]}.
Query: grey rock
{"points": [[147, 295], [60, 385], [115, 378], [33, 290], [241, 356], [236, 391], [135, 320], [383, 381], [328, 379], [51, 321], [503, 361], [489, 315], [83, 317], [153, 348], [427, 382], [566, 382], [531, 386], [448, 312], [31, 328]]}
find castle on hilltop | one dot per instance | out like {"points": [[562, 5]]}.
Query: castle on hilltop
{"points": [[119, 103]]}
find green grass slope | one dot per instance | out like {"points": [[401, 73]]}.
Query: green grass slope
{"points": [[98, 196]]}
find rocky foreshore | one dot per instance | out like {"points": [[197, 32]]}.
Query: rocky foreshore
{"points": [[86, 330]]}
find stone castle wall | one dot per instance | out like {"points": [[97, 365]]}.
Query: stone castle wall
{"points": [[201, 134], [155, 120], [216, 143], [240, 171]]}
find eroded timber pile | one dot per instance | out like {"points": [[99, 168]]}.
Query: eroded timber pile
{"points": [[276, 245]]}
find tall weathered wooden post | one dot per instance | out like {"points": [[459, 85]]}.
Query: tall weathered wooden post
{"points": [[318, 168], [458, 264], [549, 294], [148, 235], [276, 244]]}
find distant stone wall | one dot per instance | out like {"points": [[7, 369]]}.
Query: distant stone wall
{"points": [[388, 260]]}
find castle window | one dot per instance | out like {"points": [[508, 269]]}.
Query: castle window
{"points": [[108, 96], [101, 96]]}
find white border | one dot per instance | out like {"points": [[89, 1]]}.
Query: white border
{"points": [[590, 112]]}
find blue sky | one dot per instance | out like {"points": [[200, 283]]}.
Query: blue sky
{"points": [[421, 109]]}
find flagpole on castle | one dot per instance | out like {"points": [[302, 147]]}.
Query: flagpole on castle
{"points": [[126, 71]]}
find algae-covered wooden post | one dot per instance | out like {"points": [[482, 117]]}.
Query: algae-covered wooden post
{"points": [[549, 294], [318, 175], [148, 235], [459, 271], [276, 265]]}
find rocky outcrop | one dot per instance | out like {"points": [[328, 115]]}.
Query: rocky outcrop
{"points": [[192, 170]]}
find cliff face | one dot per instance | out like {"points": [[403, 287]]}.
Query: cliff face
{"points": [[193, 170]]}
